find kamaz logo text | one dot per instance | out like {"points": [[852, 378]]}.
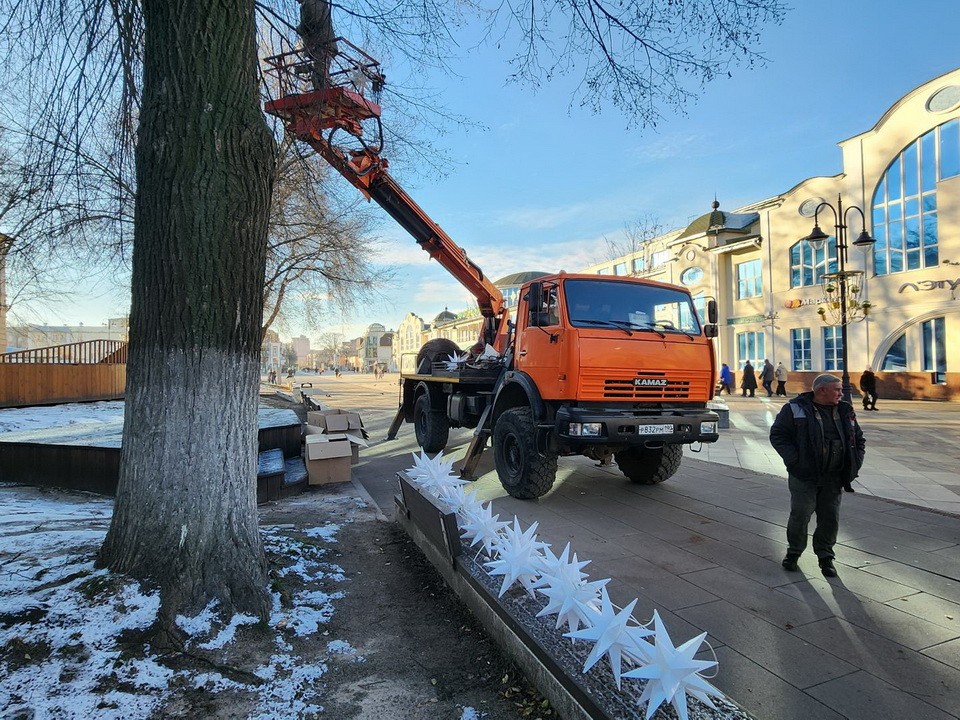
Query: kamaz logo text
{"points": [[650, 382]]}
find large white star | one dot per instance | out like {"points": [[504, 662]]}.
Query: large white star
{"points": [[433, 475], [672, 673], [518, 557], [480, 525], [560, 567], [572, 603], [611, 634]]}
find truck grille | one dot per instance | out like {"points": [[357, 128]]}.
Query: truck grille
{"points": [[622, 386]]}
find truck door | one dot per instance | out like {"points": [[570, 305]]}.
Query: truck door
{"points": [[540, 343]]}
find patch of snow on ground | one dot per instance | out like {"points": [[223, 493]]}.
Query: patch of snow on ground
{"points": [[327, 533], [470, 713], [107, 413], [62, 620]]}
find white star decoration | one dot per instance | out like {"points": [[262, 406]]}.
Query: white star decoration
{"points": [[480, 525], [432, 475], [672, 673], [611, 634], [562, 582], [454, 361], [518, 557]]}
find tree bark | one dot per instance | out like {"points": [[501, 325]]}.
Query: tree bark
{"points": [[185, 514]]}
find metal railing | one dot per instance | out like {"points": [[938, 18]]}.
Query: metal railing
{"points": [[89, 352]]}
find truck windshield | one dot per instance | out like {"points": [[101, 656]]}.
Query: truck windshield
{"points": [[630, 306]]}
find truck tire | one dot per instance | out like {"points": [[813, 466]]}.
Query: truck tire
{"points": [[430, 426], [436, 350], [524, 473], [649, 466]]}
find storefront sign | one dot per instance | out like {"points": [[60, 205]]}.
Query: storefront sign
{"points": [[744, 320], [931, 285], [797, 302]]}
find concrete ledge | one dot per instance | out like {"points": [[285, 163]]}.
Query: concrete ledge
{"points": [[509, 636]]}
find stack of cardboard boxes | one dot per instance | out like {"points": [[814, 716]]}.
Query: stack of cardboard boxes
{"points": [[332, 444]]}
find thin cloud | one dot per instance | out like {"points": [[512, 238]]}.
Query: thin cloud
{"points": [[541, 218], [673, 145]]}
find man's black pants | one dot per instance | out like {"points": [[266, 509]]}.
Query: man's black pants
{"points": [[807, 498]]}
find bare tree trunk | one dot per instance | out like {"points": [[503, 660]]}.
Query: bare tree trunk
{"points": [[185, 513]]}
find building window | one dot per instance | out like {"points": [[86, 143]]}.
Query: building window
{"points": [[620, 269], [905, 201], [750, 347], [749, 280], [800, 349], [639, 264], [691, 276], [659, 258], [896, 357], [807, 265], [934, 345], [832, 348], [603, 271]]}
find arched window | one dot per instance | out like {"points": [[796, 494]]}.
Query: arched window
{"points": [[905, 201], [896, 357], [807, 265]]}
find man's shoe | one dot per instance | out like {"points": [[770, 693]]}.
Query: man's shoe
{"points": [[848, 488], [827, 568], [790, 563]]}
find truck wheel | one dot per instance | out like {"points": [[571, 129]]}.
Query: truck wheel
{"points": [[430, 425], [649, 466], [524, 473], [435, 350]]}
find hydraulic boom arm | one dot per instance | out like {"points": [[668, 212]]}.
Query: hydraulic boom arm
{"points": [[315, 115]]}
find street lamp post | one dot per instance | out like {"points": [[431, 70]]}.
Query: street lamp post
{"points": [[817, 238]]}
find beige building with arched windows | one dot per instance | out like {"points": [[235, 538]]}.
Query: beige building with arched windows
{"points": [[904, 175]]}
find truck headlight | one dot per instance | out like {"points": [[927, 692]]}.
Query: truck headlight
{"points": [[591, 429], [584, 429], [708, 428]]}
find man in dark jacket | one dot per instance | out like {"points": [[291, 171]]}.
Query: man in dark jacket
{"points": [[822, 446], [766, 377], [868, 386], [748, 380]]}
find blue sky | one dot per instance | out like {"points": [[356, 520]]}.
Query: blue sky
{"points": [[541, 184]]}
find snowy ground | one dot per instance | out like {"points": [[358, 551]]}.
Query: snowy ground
{"points": [[74, 639]]}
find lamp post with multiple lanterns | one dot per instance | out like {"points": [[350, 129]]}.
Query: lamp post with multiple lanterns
{"points": [[847, 307]]}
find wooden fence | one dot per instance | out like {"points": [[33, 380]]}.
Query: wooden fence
{"points": [[78, 372]]}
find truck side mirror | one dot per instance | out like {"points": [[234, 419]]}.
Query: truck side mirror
{"points": [[711, 331], [712, 311], [534, 301]]}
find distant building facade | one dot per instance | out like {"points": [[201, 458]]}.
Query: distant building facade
{"points": [[770, 284], [34, 335]]}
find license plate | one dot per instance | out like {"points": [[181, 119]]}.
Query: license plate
{"points": [[654, 429]]}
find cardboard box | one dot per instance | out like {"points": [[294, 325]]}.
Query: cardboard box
{"points": [[336, 421], [356, 442], [327, 459]]}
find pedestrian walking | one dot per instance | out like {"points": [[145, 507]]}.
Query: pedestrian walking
{"points": [[868, 386], [781, 375], [822, 447], [748, 383], [726, 379], [766, 377]]}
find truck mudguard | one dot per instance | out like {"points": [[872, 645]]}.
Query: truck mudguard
{"points": [[519, 389]]}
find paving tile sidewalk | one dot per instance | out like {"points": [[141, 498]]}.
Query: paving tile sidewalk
{"points": [[913, 448], [880, 641]]}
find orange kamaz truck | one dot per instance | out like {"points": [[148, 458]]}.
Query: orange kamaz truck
{"points": [[606, 367]]}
